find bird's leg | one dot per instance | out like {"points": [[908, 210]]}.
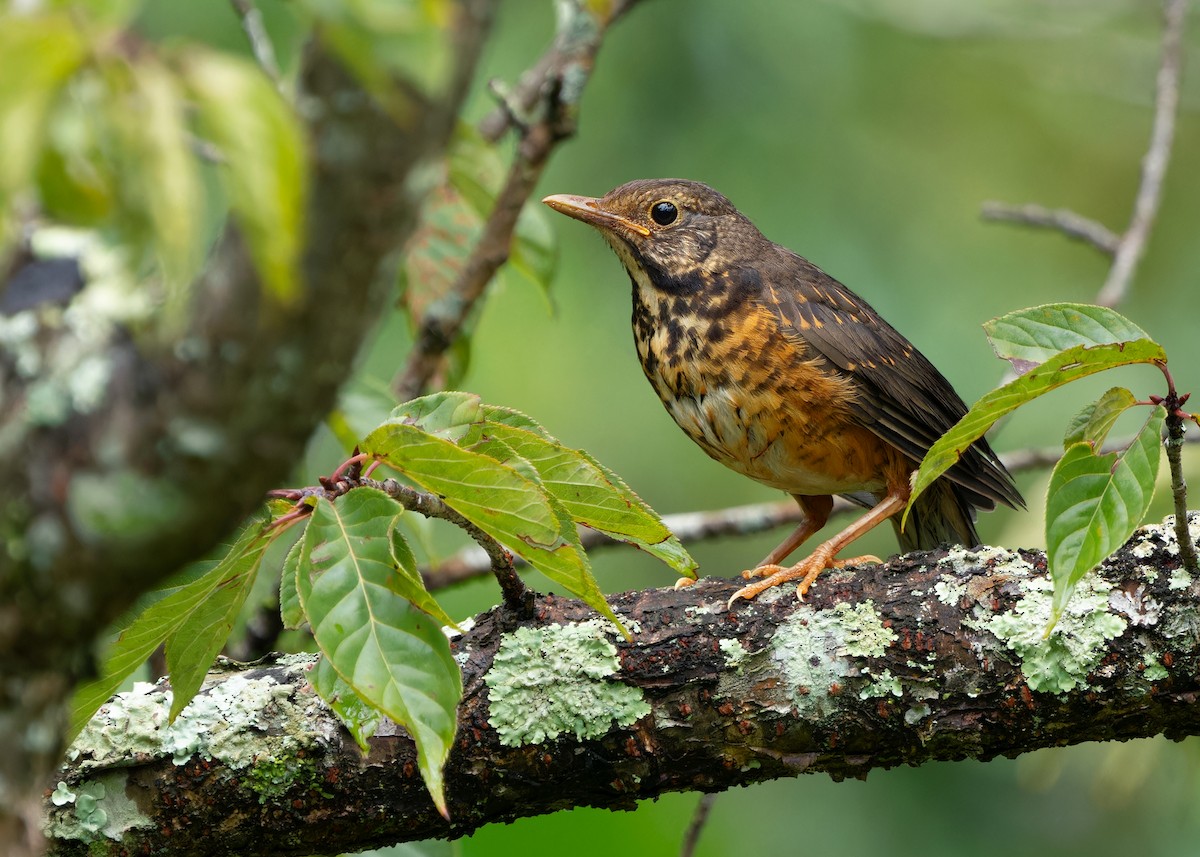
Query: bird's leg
{"points": [[816, 514], [823, 557]]}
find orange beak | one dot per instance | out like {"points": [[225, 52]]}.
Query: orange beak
{"points": [[588, 210]]}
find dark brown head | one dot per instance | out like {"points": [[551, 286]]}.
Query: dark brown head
{"points": [[671, 231]]}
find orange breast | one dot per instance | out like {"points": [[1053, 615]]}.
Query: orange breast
{"points": [[757, 401]]}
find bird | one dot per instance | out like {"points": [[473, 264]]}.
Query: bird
{"points": [[778, 371]]}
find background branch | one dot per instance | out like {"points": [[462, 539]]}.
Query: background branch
{"points": [[933, 656], [1126, 249], [543, 109]]}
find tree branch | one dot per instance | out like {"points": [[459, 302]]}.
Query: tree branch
{"points": [[933, 656], [544, 110]]}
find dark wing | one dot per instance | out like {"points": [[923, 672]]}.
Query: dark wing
{"points": [[905, 399]]}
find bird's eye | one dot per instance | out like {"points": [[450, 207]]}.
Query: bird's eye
{"points": [[664, 213]]}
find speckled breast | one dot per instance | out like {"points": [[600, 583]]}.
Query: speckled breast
{"points": [[753, 398]]}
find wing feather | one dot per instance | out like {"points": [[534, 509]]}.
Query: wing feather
{"points": [[904, 398]]}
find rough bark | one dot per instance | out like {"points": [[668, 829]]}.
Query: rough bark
{"points": [[192, 432], [932, 656]]}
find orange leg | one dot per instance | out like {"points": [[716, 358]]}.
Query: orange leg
{"points": [[823, 557], [816, 514]]}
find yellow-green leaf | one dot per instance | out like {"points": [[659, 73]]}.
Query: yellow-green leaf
{"points": [[1062, 368], [265, 161], [1095, 502], [390, 654]]}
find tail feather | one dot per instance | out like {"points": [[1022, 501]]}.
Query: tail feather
{"points": [[941, 515]]}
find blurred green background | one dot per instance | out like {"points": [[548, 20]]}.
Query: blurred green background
{"points": [[864, 134]]}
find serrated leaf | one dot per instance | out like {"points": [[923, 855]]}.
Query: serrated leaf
{"points": [[194, 645], [164, 617], [37, 55], [503, 503], [515, 419], [670, 550], [437, 251], [1062, 368], [1095, 502], [1029, 337], [1093, 423], [355, 713], [390, 653], [584, 489], [290, 610], [450, 415], [495, 448], [265, 168], [509, 507], [409, 582]]}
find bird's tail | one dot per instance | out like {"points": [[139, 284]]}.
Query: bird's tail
{"points": [[941, 515]]}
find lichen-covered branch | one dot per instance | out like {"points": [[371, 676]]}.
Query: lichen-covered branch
{"points": [[933, 656]]}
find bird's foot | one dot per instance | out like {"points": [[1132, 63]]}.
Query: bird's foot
{"points": [[684, 583], [806, 571]]}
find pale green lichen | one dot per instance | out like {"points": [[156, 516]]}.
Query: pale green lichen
{"points": [[948, 590], [96, 808], [1179, 579], [885, 685], [917, 713], [1154, 671], [226, 722], [558, 680], [1077, 644], [813, 648], [735, 654]]}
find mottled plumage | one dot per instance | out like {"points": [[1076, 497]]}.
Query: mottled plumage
{"points": [[780, 372]]}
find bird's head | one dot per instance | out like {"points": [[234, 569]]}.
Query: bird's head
{"points": [[669, 229]]}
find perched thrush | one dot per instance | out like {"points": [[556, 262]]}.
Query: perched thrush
{"points": [[780, 372]]}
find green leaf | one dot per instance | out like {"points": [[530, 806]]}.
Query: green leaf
{"points": [[355, 713], [1062, 368], [448, 415], [670, 551], [166, 168], [1029, 337], [534, 252], [1095, 502], [163, 618], [195, 644], [290, 610], [1093, 423], [37, 55], [409, 582], [437, 251], [265, 168], [391, 654], [508, 506], [590, 495], [503, 503]]}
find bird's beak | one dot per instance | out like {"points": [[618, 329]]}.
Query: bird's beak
{"points": [[589, 210]]}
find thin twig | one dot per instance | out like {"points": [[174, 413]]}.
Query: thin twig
{"points": [[693, 527], [260, 42], [544, 110], [516, 594], [1064, 220], [1154, 164], [1125, 249], [699, 820]]}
